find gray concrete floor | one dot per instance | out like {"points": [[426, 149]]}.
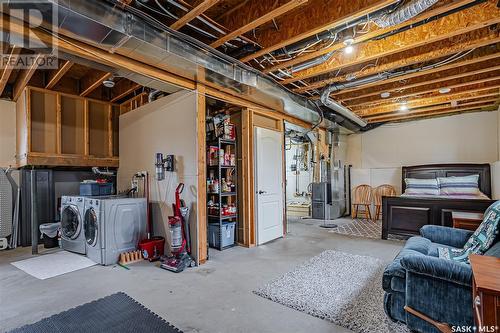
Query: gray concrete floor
{"points": [[216, 297]]}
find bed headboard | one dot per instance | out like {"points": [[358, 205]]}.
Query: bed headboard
{"points": [[449, 170]]}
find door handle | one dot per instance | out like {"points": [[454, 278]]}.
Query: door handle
{"points": [[261, 192]]}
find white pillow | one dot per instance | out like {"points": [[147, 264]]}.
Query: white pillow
{"points": [[459, 185], [416, 186]]}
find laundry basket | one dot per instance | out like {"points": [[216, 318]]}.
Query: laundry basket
{"points": [[50, 233]]}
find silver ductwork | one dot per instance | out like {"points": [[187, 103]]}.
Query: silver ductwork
{"points": [[340, 109], [106, 26], [403, 14]]}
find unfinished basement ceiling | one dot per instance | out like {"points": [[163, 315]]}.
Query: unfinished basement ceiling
{"points": [[384, 60]]}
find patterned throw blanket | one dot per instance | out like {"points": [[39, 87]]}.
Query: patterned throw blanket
{"points": [[480, 241]]}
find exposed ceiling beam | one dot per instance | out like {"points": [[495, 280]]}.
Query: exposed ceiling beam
{"points": [[430, 100], [475, 39], [24, 77], [122, 89], [422, 81], [4, 78], [471, 61], [196, 11], [92, 81], [492, 79], [464, 21], [57, 74], [374, 31], [81, 49], [257, 21], [317, 16], [232, 10], [451, 111], [444, 106]]}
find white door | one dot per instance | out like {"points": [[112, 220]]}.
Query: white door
{"points": [[269, 184]]}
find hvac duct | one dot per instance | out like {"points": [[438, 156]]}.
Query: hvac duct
{"points": [[133, 33], [339, 108], [406, 12]]}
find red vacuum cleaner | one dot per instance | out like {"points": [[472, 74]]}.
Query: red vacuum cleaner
{"points": [[180, 247]]}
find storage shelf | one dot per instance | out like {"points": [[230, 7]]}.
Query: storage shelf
{"points": [[222, 166], [224, 217], [219, 172], [222, 141]]}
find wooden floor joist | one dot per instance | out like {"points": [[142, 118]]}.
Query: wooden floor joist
{"points": [[57, 74], [469, 85], [444, 106], [473, 61], [470, 19], [192, 14], [395, 88], [450, 111], [390, 106], [442, 7], [316, 17], [7, 70], [92, 81], [475, 39], [257, 21], [24, 77]]}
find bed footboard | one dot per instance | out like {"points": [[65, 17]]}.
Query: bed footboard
{"points": [[404, 216]]}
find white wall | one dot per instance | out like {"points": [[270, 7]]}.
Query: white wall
{"points": [[169, 126], [495, 167], [378, 155], [7, 133], [305, 177]]}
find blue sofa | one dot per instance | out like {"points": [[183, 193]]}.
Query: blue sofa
{"points": [[438, 288]]}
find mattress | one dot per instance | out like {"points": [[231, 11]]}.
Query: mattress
{"points": [[480, 196]]}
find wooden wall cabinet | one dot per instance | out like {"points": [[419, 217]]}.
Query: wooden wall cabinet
{"points": [[57, 129]]}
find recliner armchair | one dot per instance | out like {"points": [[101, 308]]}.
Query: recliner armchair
{"points": [[436, 288]]}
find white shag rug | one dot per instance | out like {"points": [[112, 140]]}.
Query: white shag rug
{"points": [[50, 265], [343, 288]]}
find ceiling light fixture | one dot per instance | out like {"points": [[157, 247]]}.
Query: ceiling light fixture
{"points": [[349, 49], [444, 90], [385, 94], [109, 82], [403, 106], [348, 42]]}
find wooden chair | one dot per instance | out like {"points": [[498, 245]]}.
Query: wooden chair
{"points": [[362, 196], [382, 191]]}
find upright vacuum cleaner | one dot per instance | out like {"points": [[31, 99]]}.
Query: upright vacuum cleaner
{"points": [[180, 246]]}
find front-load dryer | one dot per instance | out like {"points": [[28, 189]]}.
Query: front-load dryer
{"points": [[72, 235], [113, 226]]}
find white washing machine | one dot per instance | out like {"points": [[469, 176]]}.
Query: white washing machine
{"points": [[112, 226], [72, 235]]}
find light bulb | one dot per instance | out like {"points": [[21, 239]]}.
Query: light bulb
{"points": [[349, 49]]}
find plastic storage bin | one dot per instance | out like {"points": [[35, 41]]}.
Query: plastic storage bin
{"points": [[96, 189], [227, 233]]}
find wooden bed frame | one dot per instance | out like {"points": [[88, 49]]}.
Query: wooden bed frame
{"points": [[404, 216]]}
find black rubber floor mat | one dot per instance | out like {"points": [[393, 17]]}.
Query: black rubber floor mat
{"points": [[117, 313]]}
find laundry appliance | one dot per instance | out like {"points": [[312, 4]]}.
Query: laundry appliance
{"points": [[113, 225], [72, 234]]}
